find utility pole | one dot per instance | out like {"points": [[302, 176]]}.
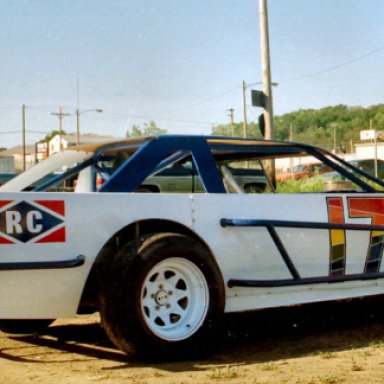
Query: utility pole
{"points": [[23, 138], [77, 125], [291, 132], [375, 146], [267, 85], [245, 122], [231, 116], [60, 115], [266, 69], [334, 125], [78, 113]]}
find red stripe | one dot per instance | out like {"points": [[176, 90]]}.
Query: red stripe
{"points": [[55, 237], [54, 205], [3, 203]]}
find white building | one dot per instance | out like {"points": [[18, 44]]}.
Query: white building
{"points": [[370, 150], [12, 159], [60, 142]]}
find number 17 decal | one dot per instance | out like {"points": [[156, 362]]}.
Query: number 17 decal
{"points": [[358, 207]]}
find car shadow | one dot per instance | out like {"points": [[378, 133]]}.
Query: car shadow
{"points": [[248, 338], [85, 340]]}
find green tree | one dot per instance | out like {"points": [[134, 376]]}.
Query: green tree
{"points": [[135, 131], [318, 127], [53, 134], [237, 130], [150, 128]]}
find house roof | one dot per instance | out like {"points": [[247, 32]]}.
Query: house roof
{"points": [[71, 139], [18, 150], [84, 139]]}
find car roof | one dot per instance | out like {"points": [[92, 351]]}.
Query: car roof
{"points": [[217, 143], [94, 147]]}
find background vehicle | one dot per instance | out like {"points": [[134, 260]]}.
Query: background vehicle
{"points": [[304, 170], [368, 165], [5, 177], [185, 178]]}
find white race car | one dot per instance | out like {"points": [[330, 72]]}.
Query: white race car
{"points": [[79, 232]]}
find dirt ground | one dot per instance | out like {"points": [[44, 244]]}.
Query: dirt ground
{"points": [[327, 343]]}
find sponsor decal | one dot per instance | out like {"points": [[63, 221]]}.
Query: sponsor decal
{"points": [[337, 236], [39, 221], [372, 208], [357, 207]]}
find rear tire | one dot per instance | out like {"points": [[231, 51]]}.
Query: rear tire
{"points": [[162, 298]]}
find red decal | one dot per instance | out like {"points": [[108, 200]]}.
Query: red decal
{"points": [[3, 240], [337, 236], [54, 205], [336, 210], [367, 207], [372, 207], [3, 203], [55, 237]]}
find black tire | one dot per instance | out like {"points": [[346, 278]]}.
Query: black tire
{"points": [[162, 298], [24, 327]]}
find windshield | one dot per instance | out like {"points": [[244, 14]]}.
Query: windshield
{"points": [[55, 165]]}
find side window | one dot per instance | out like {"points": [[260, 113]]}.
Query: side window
{"points": [[174, 174], [67, 185], [242, 176], [307, 174], [178, 176], [302, 174]]}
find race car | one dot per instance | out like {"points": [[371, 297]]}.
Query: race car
{"points": [[79, 233]]}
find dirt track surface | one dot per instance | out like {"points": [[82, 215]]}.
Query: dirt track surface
{"points": [[328, 344]]}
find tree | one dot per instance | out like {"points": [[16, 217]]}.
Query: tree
{"points": [[318, 127], [150, 128], [53, 134], [253, 130], [135, 131]]}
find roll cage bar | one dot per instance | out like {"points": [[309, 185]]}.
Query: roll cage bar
{"points": [[156, 154]]}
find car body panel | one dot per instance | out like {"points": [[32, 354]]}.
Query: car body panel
{"points": [[42, 293], [241, 253]]}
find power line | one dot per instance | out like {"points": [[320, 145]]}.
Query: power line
{"points": [[9, 132], [330, 69], [205, 101], [119, 116], [334, 68]]}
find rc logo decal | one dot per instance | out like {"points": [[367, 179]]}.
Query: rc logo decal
{"points": [[39, 221]]}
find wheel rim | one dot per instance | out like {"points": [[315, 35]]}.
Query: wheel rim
{"points": [[174, 299]]}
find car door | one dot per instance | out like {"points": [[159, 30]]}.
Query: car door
{"points": [[283, 249]]}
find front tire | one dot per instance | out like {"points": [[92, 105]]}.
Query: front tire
{"points": [[162, 297]]}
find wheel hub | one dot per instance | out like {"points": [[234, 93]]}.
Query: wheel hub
{"points": [[161, 297]]}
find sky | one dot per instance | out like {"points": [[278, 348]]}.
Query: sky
{"points": [[180, 63]]}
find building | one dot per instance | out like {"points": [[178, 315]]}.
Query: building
{"points": [[60, 142], [12, 159], [370, 150]]}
